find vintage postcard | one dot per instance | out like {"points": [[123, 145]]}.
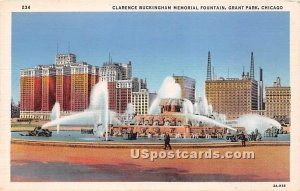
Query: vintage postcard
{"points": [[136, 95]]}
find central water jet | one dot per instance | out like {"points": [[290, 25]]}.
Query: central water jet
{"points": [[55, 114], [97, 113]]}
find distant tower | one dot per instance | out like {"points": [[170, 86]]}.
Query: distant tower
{"points": [[208, 75], [260, 90], [261, 74], [252, 67], [109, 58], [278, 81], [244, 74]]}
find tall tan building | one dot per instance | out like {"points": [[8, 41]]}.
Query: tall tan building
{"points": [[278, 102], [80, 86], [232, 97]]}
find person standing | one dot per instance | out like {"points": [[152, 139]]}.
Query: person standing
{"points": [[167, 141], [243, 138]]}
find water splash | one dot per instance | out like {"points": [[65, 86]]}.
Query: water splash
{"points": [[154, 108], [82, 119], [100, 101], [205, 108], [199, 119], [168, 89], [96, 94], [254, 121], [55, 114], [197, 110], [129, 109], [171, 89], [188, 107], [128, 115], [97, 114]]}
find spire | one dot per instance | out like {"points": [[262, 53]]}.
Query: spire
{"points": [[208, 75], [109, 58], [252, 67]]}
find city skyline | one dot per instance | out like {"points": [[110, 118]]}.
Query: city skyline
{"points": [[174, 46]]}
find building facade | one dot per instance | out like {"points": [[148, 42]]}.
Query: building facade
{"points": [[80, 86], [278, 102], [121, 84], [141, 102], [30, 90], [48, 87], [138, 84], [232, 97], [67, 82], [63, 87], [188, 86], [123, 95], [111, 72], [65, 59]]}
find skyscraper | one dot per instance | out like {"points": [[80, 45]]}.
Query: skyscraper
{"points": [[233, 96], [63, 87], [188, 86], [67, 82], [120, 84], [123, 95], [140, 101], [48, 87], [112, 71], [65, 59], [30, 91], [81, 77], [140, 96], [278, 102]]}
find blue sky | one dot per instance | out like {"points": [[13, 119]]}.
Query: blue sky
{"points": [[158, 44]]}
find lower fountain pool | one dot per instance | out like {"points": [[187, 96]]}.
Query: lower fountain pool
{"points": [[76, 136]]}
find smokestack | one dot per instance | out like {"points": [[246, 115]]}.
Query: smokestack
{"points": [[208, 75], [261, 89], [252, 67], [260, 74]]}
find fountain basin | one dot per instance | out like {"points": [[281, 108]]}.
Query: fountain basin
{"points": [[76, 136]]}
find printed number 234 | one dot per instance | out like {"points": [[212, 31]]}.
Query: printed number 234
{"points": [[25, 6]]}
